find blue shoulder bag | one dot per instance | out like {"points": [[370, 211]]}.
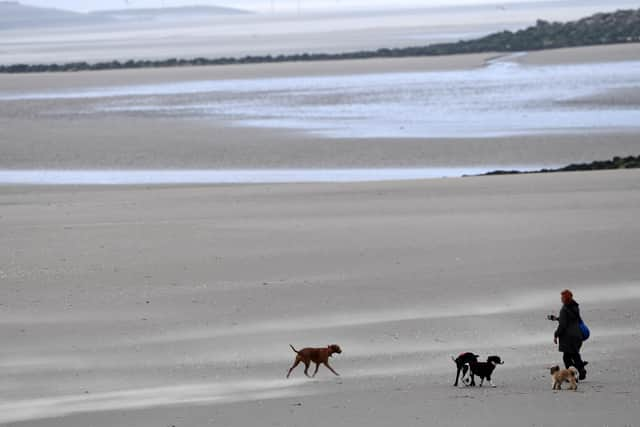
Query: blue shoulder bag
{"points": [[584, 329]]}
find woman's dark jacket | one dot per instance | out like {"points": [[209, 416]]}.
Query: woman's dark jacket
{"points": [[568, 331]]}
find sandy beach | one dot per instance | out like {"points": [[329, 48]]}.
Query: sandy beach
{"points": [[81, 133], [176, 305]]}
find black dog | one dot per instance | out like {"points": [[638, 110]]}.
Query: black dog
{"points": [[484, 370], [462, 364]]}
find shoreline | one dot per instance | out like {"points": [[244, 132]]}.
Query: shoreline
{"points": [[34, 133], [184, 177], [16, 83], [316, 59]]}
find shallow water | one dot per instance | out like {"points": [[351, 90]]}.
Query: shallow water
{"points": [[501, 99], [231, 176]]}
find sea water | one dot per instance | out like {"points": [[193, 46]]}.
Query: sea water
{"points": [[501, 99]]}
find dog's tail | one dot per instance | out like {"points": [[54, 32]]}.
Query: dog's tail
{"points": [[297, 352]]}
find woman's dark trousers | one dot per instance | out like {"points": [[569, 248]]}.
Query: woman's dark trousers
{"points": [[574, 359]]}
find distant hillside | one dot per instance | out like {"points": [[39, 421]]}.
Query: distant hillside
{"points": [[622, 26], [15, 15], [168, 13]]}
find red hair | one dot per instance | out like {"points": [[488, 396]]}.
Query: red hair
{"points": [[567, 296]]}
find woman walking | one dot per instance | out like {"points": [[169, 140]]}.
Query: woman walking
{"points": [[569, 333]]}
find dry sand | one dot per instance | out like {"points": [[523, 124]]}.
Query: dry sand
{"points": [[175, 305]]}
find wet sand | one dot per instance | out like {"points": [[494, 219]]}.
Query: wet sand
{"points": [[142, 143], [51, 134], [176, 305], [53, 81]]}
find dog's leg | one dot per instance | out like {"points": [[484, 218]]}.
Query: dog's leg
{"points": [[306, 368], [316, 371], [481, 381], [490, 381], [466, 371], [331, 369], [455, 384], [294, 365], [466, 376]]}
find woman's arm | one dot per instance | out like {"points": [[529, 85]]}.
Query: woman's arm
{"points": [[562, 323]]}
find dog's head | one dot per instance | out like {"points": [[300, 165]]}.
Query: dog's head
{"points": [[495, 360], [573, 371], [554, 369], [334, 348]]}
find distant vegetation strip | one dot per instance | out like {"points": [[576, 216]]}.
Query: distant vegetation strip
{"points": [[629, 162], [622, 26]]}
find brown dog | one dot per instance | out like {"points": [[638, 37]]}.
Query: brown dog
{"points": [[559, 376], [315, 355]]}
